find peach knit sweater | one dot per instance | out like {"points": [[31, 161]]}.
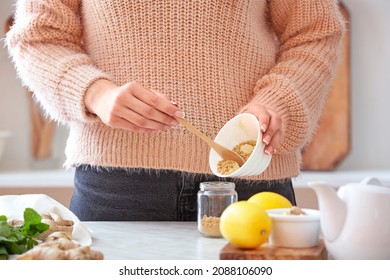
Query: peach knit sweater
{"points": [[211, 57]]}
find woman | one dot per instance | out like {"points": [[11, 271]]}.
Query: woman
{"points": [[118, 73]]}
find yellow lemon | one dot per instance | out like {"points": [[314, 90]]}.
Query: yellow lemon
{"points": [[245, 225], [270, 200]]}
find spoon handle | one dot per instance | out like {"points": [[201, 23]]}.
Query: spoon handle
{"points": [[196, 131], [224, 152]]}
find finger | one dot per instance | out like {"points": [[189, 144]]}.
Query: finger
{"points": [[146, 118], [264, 118], [146, 115], [274, 125], [270, 149], [121, 123], [155, 101], [166, 97], [162, 95]]}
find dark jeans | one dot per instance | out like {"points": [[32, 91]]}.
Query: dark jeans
{"points": [[150, 195]]}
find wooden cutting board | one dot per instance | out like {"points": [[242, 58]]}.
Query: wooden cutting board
{"points": [[331, 142], [268, 252]]}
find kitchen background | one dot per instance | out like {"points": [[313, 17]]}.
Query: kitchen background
{"points": [[369, 101]]}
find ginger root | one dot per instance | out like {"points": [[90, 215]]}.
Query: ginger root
{"points": [[61, 249], [57, 235], [56, 224], [15, 222], [56, 243]]}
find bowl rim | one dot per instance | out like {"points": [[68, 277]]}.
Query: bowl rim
{"points": [[266, 159], [277, 215]]}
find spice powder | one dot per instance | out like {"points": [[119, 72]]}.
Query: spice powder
{"points": [[244, 149], [210, 226]]}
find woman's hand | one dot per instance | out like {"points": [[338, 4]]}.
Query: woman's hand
{"points": [[270, 125], [131, 107]]}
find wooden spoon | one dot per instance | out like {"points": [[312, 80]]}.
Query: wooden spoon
{"points": [[224, 153]]}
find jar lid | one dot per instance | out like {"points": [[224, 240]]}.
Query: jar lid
{"points": [[217, 185]]}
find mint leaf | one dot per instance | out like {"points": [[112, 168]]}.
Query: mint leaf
{"points": [[35, 230], [5, 229], [31, 216], [3, 253], [19, 239], [16, 248], [11, 238], [32, 223]]}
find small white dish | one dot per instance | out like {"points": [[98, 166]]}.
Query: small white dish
{"points": [[241, 128], [294, 231]]}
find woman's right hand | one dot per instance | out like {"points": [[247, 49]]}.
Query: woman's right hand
{"points": [[131, 107]]}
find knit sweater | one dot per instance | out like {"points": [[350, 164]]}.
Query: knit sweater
{"points": [[211, 57]]}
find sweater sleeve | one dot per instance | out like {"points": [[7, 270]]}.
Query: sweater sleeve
{"points": [[309, 34], [46, 47]]}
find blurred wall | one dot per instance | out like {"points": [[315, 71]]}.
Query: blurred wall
{"points": [[14, 114], [370, 92]]}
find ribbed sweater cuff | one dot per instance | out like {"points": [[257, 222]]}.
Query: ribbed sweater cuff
{"points": [[278, 94], [73, 86]]}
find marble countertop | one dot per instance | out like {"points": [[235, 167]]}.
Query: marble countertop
{"points": [[153, 241]]}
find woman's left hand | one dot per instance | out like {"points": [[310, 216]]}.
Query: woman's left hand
{"points": [[270, 124]]}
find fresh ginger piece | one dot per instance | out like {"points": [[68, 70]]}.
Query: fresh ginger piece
{"points": [[43, 253], [56, 224], [59, 234], [61, 249]]}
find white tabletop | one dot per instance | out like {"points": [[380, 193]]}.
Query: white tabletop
{"points": [[153, 241]]}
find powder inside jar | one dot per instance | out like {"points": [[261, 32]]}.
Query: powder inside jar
{"points": [[209, 226]]}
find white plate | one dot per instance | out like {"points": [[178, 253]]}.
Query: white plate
{"points": [[13, 206]]}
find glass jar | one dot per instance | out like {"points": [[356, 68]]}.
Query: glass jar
{"points": [[213, 198]]}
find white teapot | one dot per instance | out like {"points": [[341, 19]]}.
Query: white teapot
{"points": [[355, 220]]}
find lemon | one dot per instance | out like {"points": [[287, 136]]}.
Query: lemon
{"points": [[270, 200], [245, 225]]}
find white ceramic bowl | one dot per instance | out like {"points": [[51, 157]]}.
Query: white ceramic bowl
{"points": [[294, 231], [3, 138], [241, 128]]}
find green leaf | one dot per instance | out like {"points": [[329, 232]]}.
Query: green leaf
{"points": [[19, 239], [37, 229], [31, 216], [5, 229], [41, 227], [32, 223], [11, 238], [31, 243], [3, 253], [16, 233], [15, 248]]}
